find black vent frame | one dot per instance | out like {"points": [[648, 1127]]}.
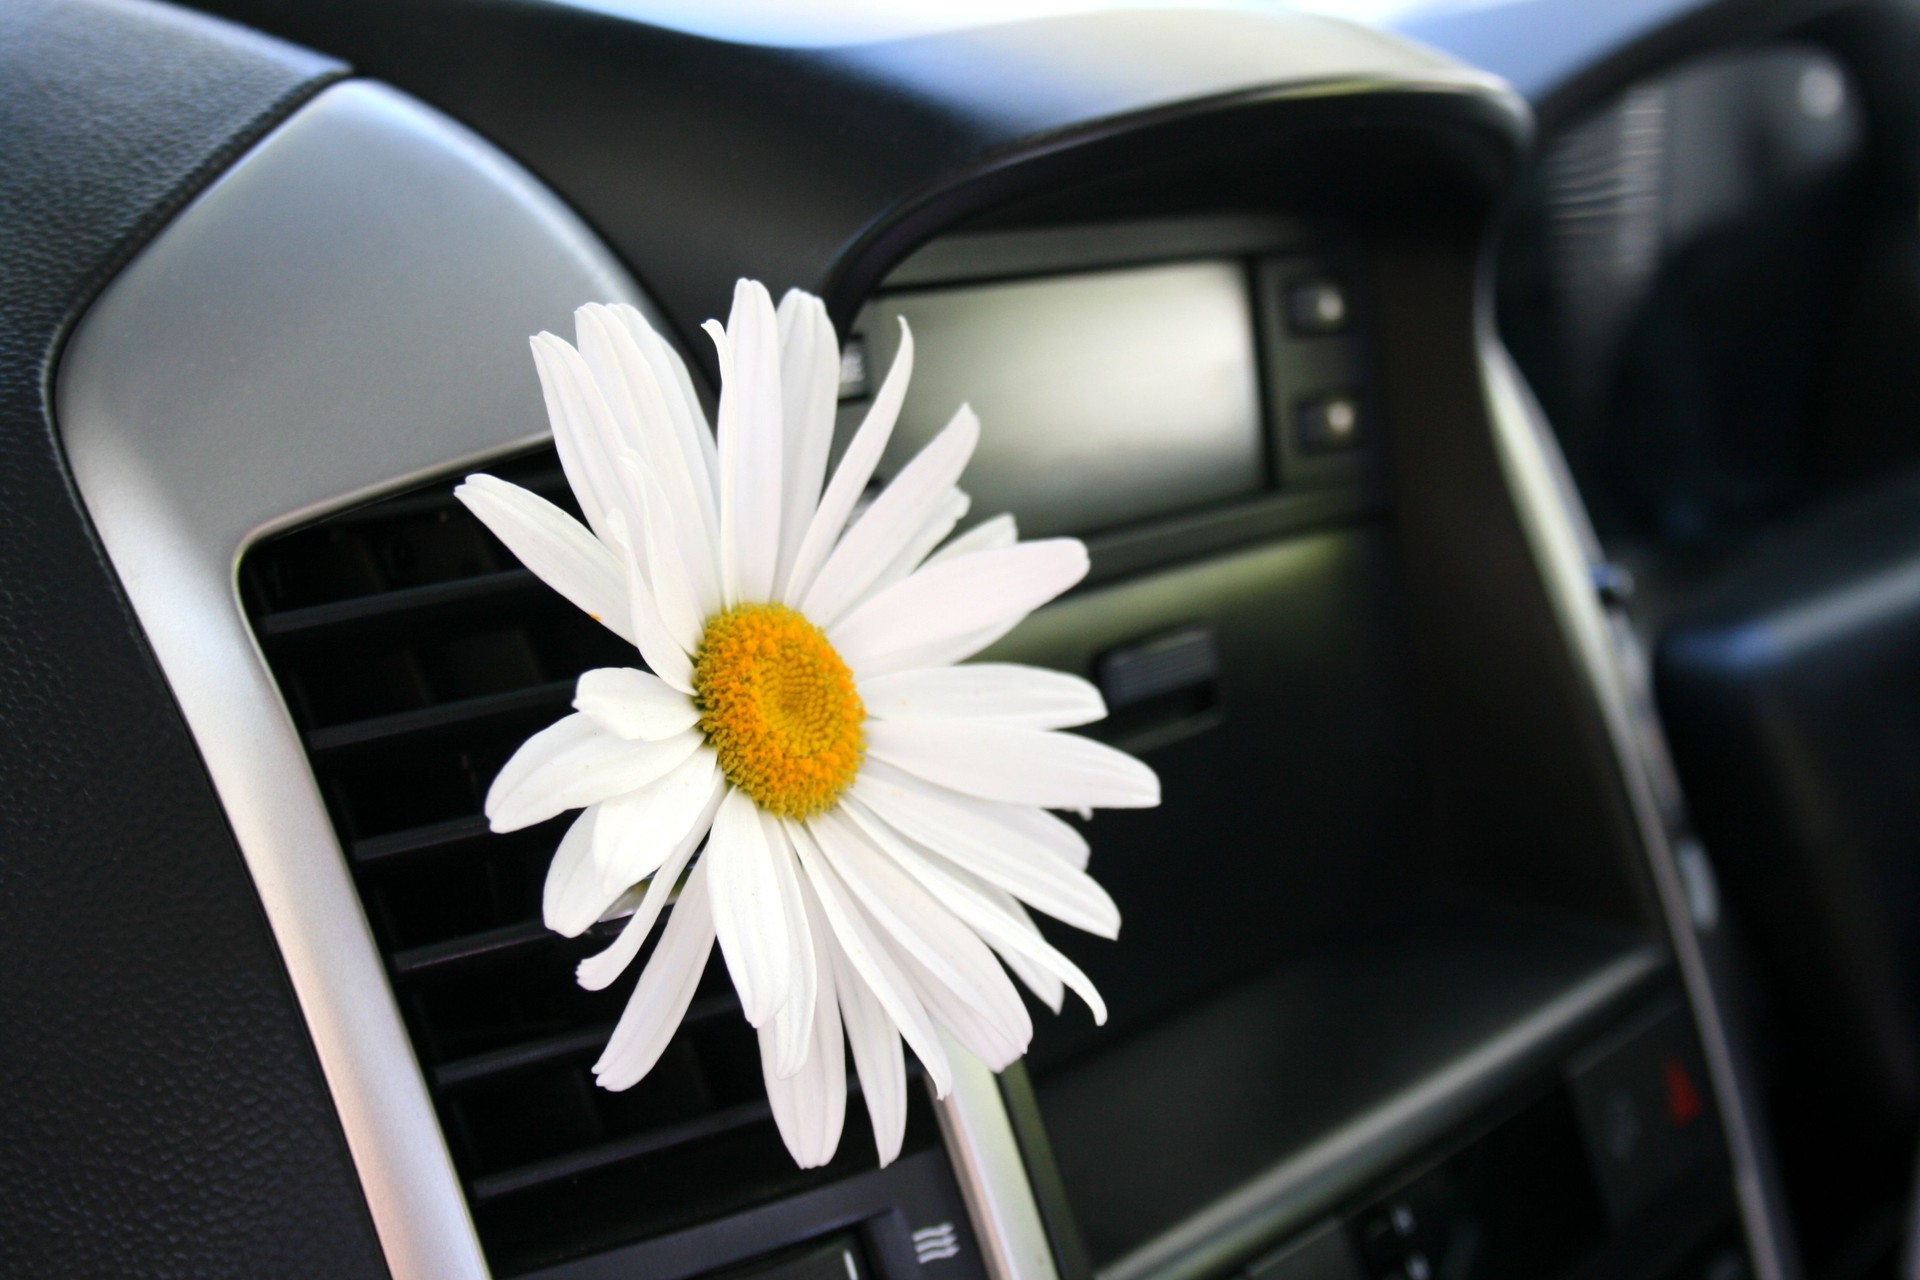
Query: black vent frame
{"points": [[414, 654]]}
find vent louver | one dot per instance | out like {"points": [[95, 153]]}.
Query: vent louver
{"points": [[415, 655]]}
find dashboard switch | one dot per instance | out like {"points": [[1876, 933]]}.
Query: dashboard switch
{"points": [[1316, 306], [833, 1258], [1649, 1120], [1329, 424]]}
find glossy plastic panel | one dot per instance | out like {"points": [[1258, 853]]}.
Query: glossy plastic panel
{"points": [[1104, 399]]}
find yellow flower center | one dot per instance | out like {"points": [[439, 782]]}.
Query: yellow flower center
{"points": [[780, 708]]}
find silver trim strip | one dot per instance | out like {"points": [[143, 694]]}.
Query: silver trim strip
{"points": [[345, 310], [993, 1174], [1556, 527]]}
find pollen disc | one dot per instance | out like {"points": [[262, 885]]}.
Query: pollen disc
{"points": [[780, 708]]}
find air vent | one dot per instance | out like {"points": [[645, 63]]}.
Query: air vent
{"points": [[415, 654]]}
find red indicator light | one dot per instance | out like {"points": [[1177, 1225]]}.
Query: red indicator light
{"points": [[1683, 1097]]}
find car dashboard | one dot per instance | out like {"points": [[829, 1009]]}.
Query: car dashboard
{"points": [[1426, 970]]}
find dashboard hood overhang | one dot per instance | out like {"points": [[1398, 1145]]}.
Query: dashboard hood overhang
{"points": [[701, 160]]}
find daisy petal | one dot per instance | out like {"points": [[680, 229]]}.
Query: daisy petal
{"points": [[994, 915], [1048, 830], [630, 703], [1043, 834], [1016, 764], [949, 511], [640, 396], [850, 479], [988, 535], [682, 612], [955, 598], [902, 508], [877, 1056], [665, 989], [650, 634], [810, 392], [749, 914], [987, 1038], [555, 546], [810, 1106], [750, 445], [793, 1024], [697, 450], [597, 972], [573, 763], [869, 957], [1003, 923], [1047, 989], [941, 653], [584, 434], [636, 833], [1001, 692], [994, 851], [624, 905], [917, 925], [572, 899]]}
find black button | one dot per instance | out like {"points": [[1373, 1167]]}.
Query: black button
{"points": [[1329, 424], [1316, 306], [833, 1258], [1643, 1101]]}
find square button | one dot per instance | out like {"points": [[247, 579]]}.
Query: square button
{"points": [[834, 1258], [1328, 424], [1316, 306]]}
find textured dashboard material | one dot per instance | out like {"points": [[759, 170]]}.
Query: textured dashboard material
{"points": [[165, 1115]]}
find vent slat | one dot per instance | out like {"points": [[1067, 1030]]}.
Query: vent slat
{"points": [[482, 1067], [440, 602], [574, 1163], [377, 850], [493, 944], [520, 1057], [449, 718], [489, 945], [547, 481]]}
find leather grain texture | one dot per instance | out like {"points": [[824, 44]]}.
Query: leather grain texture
{"points": [[161, 1109]]}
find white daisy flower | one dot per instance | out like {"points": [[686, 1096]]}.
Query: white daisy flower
{"points": [[860, 823]]}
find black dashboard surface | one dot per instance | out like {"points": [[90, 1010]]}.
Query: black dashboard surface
{"points": [[821, 167], [165, 1115]]}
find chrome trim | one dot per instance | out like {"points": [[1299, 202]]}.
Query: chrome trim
{"points": [[345, 310], [1556, 527], [993, 1174]]}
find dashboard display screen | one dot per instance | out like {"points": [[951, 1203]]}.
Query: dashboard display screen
{"points": [[1105, 398]]}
